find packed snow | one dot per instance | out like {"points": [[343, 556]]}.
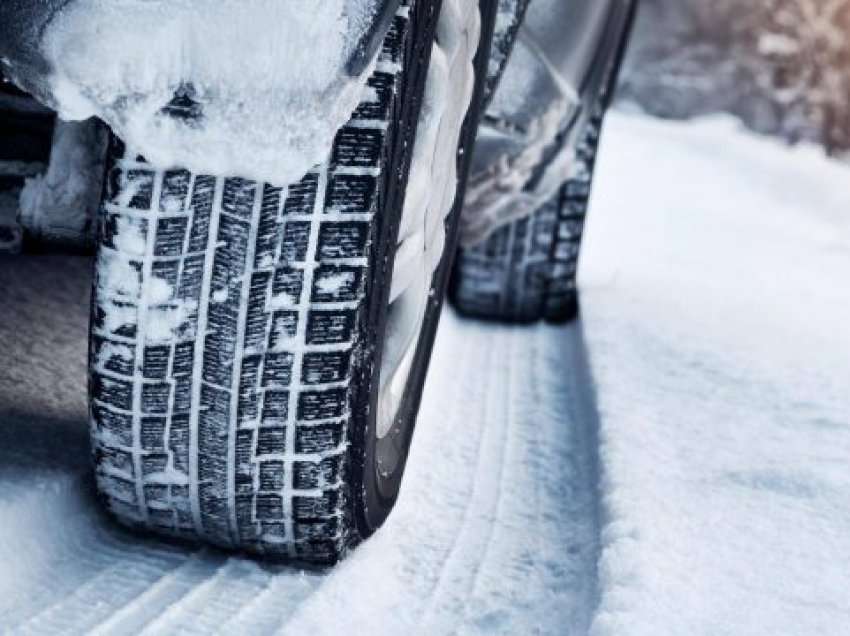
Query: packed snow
{"points": [[716, 310], [265, 100], [675, 463]]}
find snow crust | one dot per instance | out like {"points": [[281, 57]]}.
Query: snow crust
{"points": [[267, 78], [716, 309]]}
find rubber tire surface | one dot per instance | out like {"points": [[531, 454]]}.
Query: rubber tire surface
{"points": [[526, 270], [237, 330]]}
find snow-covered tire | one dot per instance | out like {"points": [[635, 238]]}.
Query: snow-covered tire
{"points": [[526, 270], [238, 327]]}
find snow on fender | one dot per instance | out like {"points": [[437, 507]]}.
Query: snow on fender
{"points": [[265, 102]]}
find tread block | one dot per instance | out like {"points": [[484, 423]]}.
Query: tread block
{"points": [[348, 239], [168, 271], [314, 533], [118, 488], [275, 407], [192, 278], [248, 409], [140, 183], [239, 197], [284, 329], [170, 235], [287, 285], [269, 507], [382, 84], [175, 192], [153, 433], [309, 475], [322, 437], [271, 441], [115, 459], [269, 229], [277, 370], [357, 147], [184, 359], [301, 197], [116, 357], [154, 463], [296, 238], [352, 193], [326, 366], [117, 393], [203, 198], [272, 475], [155, 364], [337, 283], [111, 427], [155, 398], [178, 443], [113, 225], [311, 509], [330, 327]]}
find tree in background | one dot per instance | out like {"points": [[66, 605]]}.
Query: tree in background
{"points": [[783, 66]]}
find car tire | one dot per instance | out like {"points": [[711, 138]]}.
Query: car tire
{"points": [[238, 330], [526, 270]]}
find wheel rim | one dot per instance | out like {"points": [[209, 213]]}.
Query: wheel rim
{"points": [[428, 202]]}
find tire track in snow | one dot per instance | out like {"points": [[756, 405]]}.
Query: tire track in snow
{"points": [[473, 543], [495, 531], [272, 606], [537, 568], [403, 561], [539, 573]]}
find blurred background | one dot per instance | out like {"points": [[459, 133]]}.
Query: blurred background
{"points": [[782, 66]]}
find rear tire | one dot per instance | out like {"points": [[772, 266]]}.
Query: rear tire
{"points": [[237, 331], [526, 270]]}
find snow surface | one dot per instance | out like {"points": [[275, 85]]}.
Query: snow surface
{"points": [[269, 78], [716, 311], [698, 485]]}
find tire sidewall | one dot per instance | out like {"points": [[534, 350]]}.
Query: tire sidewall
{"points": [[375, 493]]}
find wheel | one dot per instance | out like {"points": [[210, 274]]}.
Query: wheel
{"points": [[530, 192], [257, 352], [526, 270]]}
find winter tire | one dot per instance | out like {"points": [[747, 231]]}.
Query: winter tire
{"points": [[239, 329], [525, 270]]}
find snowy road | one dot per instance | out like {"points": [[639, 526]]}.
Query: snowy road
{"points": [[699, 484], [500, 484]]}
